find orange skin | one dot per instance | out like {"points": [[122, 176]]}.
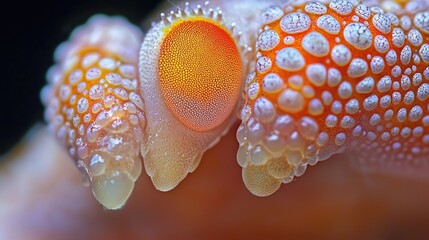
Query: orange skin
{"points": [[333, 201], [188, 90], [382, 156]]}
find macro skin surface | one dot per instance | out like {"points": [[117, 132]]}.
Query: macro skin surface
{"points": [[323, 77], [336, 77], [176, 90], [41, 194], [200, 73], [94, 106]]}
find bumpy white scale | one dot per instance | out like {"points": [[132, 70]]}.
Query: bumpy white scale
{"points": [[352, 81], [95, 108]]}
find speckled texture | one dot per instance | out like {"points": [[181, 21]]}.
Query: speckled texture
{"points": [[94, 106], [319, 78]]}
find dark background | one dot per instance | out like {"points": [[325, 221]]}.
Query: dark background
{"points": [[30, 32]]}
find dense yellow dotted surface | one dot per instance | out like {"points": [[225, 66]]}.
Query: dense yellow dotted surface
{"points": [[200, 73]]}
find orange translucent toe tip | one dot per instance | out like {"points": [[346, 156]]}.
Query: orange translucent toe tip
{"points": [[192, 70], [336, 76], [94, 107]]}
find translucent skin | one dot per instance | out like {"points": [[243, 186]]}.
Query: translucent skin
{"points": [[184, 120], [341, 78], [339, 202], [94, 106], [176, 91]]}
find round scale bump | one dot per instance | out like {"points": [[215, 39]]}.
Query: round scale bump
{"points": [[421, 20], [328, 24], [315, 7], [290, 59], [295, 22], [315, 44], [358, 35], [342, 7]]}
